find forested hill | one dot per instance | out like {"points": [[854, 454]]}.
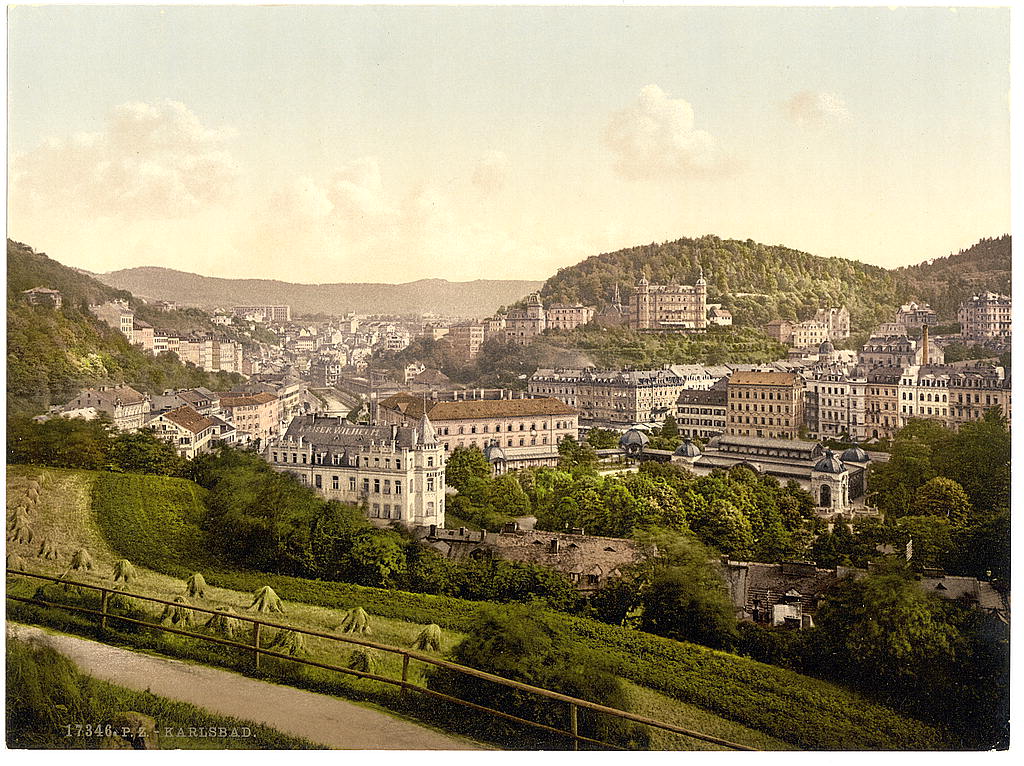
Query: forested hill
{"points": [[756, 282], [27, 269], [51, 354], [944, 282]]}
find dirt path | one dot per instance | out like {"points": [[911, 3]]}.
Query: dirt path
{"points": [[317, 717]]}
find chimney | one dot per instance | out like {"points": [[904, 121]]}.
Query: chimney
{"points": [[924, 344]]}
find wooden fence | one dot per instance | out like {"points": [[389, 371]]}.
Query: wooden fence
{"points": [[573, 704]]}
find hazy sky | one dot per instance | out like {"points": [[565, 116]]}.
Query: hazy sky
{"points": [[318, 144]]}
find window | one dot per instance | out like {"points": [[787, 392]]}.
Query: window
{"points": [[430, 462], [352, 483], [376, 511], [387, 511], [334, 482], [275, 456], [376, 486], [318, 480], [398, 463], [430, 484], [398, 487], [387, 486], [366, 485], [430, 508]]}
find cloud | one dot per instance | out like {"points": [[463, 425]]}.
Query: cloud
{"points": [[816, 109], [491, 172], [352, 224], [152, 161], [656, 137]]}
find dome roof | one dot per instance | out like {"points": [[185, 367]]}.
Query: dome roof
{"points": [[830, 463], [855, 455], [634, 436], [826, 347], [687, 449], [494, 453], [634, 441]]}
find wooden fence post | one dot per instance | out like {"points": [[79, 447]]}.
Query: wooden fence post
{"points": [[256, 642], [574, 726], [104, 598], [405, 673]]}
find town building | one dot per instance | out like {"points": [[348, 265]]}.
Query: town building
{"points": [[117, 315], [466, 338], [834, 404], [143, 335], [268, 314], [765, 405], [513, 433], [898, 351], [719, 316], [258, 416], [126, 407], [211, 354], [837, 320], [43, 296], [669, 307], [881, 401], [564, 317], [701, 414], [975, 390], [914, 316], [589, 562], [525, 324], [394, 472], [838, 483], [190, 433], [789, 594], [618, 399], [986, 318]]}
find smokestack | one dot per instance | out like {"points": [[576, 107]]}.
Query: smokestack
{"points": [[924, 344]]}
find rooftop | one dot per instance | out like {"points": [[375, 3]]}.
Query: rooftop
{"points": [[413, 407], [188, 418]]}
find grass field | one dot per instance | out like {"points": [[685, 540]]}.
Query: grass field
{"points": [[50, 702], [153, 522]]}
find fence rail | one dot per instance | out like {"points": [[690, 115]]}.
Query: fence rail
{"points": [[574, 704]]}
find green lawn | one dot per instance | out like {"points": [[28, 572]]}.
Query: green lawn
{"points": [[154, 522]]}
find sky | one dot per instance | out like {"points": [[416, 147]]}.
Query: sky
{"points": [[387, 144]]}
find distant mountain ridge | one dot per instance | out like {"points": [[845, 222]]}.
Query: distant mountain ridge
{"points": [[478, 298]]}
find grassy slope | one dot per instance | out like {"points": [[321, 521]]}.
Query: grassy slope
{"points": [[61, 682], [808, 713]]}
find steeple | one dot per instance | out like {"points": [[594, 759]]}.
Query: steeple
{"points": [[426, 432]]}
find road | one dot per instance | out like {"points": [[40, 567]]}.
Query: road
{"points": [[316, 717]]}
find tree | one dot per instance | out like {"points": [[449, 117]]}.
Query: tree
{"points": [[670, 429], [143, 452], [944, 498], [375, 558], [687, 598], [602, 438], [886, 630], [465, 464]]}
